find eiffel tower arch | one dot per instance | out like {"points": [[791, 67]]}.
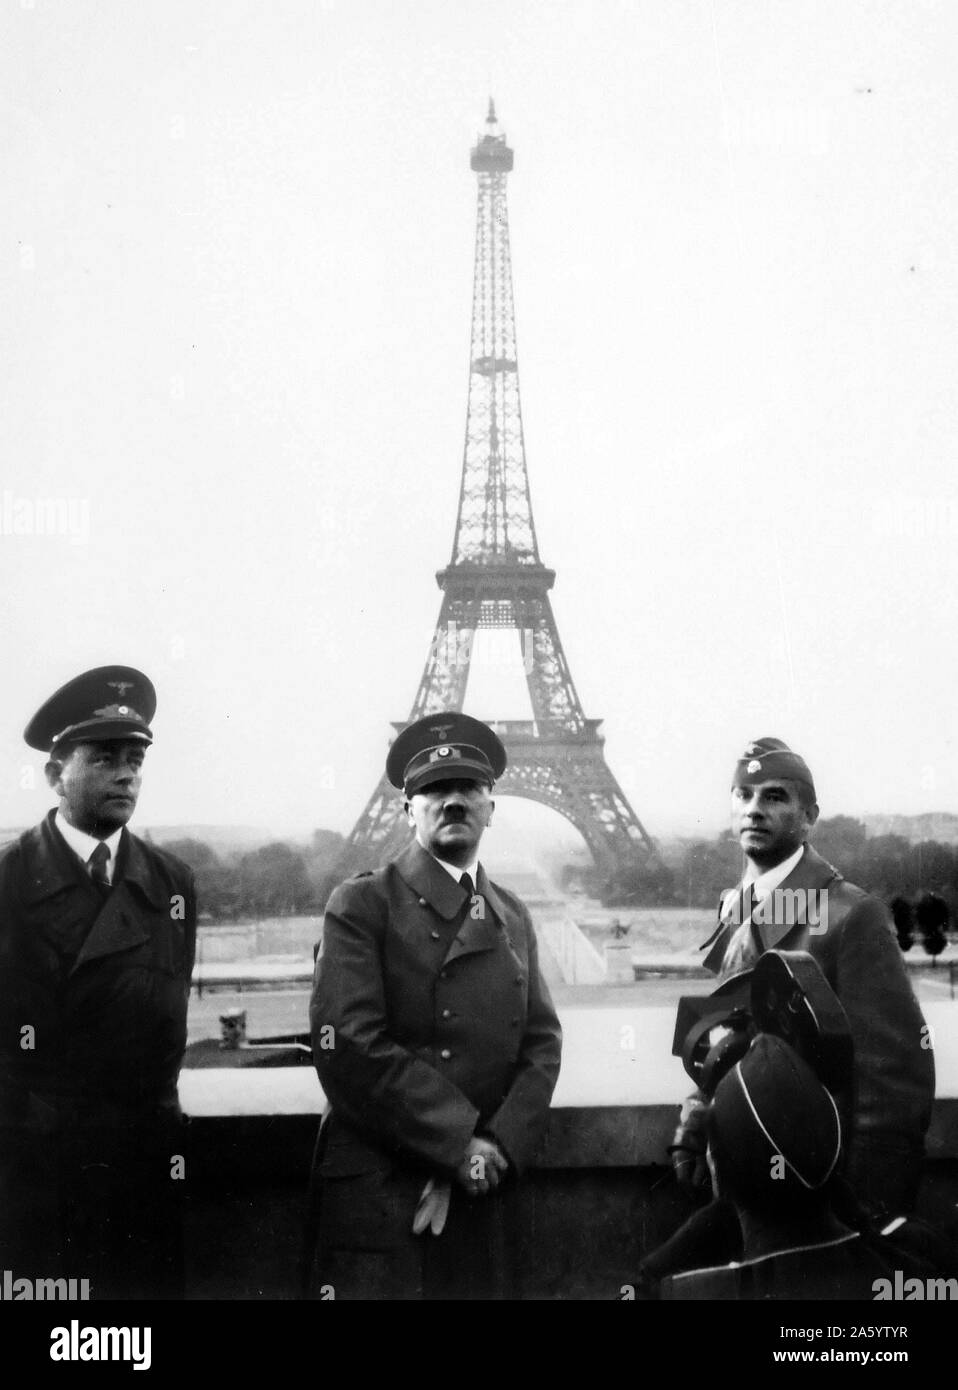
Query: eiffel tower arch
{"points": [[496, 580]]}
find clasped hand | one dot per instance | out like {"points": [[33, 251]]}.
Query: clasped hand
{"points": [[482, 1167]]}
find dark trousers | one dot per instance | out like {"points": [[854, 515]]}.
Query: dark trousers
{"points": [[97, 1202], [365, 1249]]}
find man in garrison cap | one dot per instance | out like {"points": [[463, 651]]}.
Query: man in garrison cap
{"points": [[97, 934], [791, 898], [435, 1041]]}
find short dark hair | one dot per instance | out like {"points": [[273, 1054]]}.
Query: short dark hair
{"points": [[61, 753]]}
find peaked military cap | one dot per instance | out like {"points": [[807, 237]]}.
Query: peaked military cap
{"points": [[441, 746], [768, 758], [107, 702]]}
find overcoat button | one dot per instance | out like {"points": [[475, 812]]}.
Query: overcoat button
{"points": [[443, 974], [434, 935], [445, 1054], [422, 902], [447, 1013]]}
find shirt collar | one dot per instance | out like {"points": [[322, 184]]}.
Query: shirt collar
{"points": [[765, 883], [83, 844], [472, 868]]}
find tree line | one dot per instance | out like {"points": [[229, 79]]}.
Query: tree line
{"points": [[919, 882], [276, 880]]}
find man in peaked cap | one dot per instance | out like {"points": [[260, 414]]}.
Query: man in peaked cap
{"points": [[792, 899], [97, 933], [435, 1041]]}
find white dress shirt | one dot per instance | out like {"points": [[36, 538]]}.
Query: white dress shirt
{"points": [[472, 868], [83, 844], [763, 886]]}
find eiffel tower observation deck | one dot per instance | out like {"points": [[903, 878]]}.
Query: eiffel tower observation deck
{"points": [[496, 579]]}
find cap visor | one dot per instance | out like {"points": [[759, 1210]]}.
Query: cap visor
{"points": [[448, 771], [105, 729]]}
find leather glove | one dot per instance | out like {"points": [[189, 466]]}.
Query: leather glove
{"points": [[689, 1143], [433, 1208]]}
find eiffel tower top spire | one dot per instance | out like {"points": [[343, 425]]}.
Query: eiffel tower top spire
{"points": [[494, 525]]}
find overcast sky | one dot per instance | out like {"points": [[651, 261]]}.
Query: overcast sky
{"points": [[236, 271]]}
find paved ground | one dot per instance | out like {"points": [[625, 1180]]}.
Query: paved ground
{"points": [[270, 1012]]}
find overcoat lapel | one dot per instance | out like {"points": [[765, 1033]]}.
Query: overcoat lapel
{"points": [[478, 930], [121, 922], [50, 865], [117, 928], [430, 880], [812, 872]]}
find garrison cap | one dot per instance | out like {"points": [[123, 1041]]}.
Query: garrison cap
{"points": [[107, 702], [771, 1104], [441, 746], [768, 758]]}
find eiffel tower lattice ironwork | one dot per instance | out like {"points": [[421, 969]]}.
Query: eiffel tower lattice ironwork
{"points": [[497, 580]]}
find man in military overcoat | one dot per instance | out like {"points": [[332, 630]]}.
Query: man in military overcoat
{"points": [[97, 937], [792, 899], [435, 1040]]}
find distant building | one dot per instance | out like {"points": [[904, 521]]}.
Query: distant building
{"points": [[932, 825]]}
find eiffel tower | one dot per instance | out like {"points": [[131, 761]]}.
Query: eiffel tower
{"points": [[496, 579]]}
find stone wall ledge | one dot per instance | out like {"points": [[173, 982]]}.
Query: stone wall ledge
{"points": [[615, 1105]]}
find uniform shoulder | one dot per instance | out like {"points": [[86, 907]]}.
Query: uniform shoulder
{"points": [[22, 850], [853, 909], [363, 883], [12, 852], [857, 894], [840, 889], [170, 864], [853, 895]]}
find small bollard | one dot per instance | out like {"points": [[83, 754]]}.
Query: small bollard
{"points": [[618, 954], [618, 962], [233, 1028]]}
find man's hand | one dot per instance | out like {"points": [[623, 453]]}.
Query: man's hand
{"points": [[687, 1150], [482, 1166], [690, 1169]]}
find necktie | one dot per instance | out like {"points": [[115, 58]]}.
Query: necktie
{"points": [[467, 883], [750, 906], [98, 861]]}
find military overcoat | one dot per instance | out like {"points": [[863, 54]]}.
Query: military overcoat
{"points": [[430, 1023], [849, 934], [93, 1001]]}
